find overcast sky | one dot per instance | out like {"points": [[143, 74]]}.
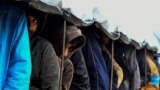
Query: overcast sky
{"points": [[136, 18], [134, 14]]}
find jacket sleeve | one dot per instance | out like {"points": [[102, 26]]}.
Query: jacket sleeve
{"points": [[19, 70], [50, 70], [136, 80], [80, 76]]}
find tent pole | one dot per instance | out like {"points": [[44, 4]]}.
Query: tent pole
{"points": [[62, 61], [112, 57], [145, 67]]}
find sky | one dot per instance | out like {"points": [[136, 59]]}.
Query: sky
{"points": [[133, 14], [136, 18]]}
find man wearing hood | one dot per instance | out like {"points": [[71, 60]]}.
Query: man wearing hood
{"points": [[74, 40], [45, 68]]}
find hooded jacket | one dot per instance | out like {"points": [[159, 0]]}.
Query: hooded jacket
{"points": [[77, 40], [15, 59], [45, 66]]}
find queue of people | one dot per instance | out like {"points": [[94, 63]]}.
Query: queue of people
{"points": [[40, 51]]}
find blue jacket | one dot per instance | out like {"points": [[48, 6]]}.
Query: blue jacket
{"points": [[96, 65], [15, 60]]}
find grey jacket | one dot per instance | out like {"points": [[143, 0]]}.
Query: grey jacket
{"points": [[45, 67]]}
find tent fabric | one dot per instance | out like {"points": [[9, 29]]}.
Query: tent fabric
{"points": [[72, 12], [48, 6], [105, 24], [157, 35], [149, 40], [152, 42], [138, 45], [125, 39], [92, 14]]}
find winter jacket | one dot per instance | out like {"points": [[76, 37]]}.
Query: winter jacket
{"points": [[77, 40], [45, 66], [148, 68], [154, 57], [154, 72], [80, 77], [15, 59], [117, 73], [67, 74], [97, 69], [143, 67], [153, 84], [126, 58]]}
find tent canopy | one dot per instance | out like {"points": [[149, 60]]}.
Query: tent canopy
{"points": [[87, 12]]}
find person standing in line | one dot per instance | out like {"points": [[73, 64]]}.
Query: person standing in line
{"points": [[45, 67], [74, 41]]}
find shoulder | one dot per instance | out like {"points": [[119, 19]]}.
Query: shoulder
{"points": [[41, 43], [40, 40]]}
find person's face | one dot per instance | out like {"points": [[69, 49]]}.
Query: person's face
{"points": [[32, 24], [68, 49], [66, 52]]}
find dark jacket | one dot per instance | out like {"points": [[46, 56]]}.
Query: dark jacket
{"points": [[80, 76], [126, 58], [143, 67], [76, 38], [45, 67], [95, 62]]}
